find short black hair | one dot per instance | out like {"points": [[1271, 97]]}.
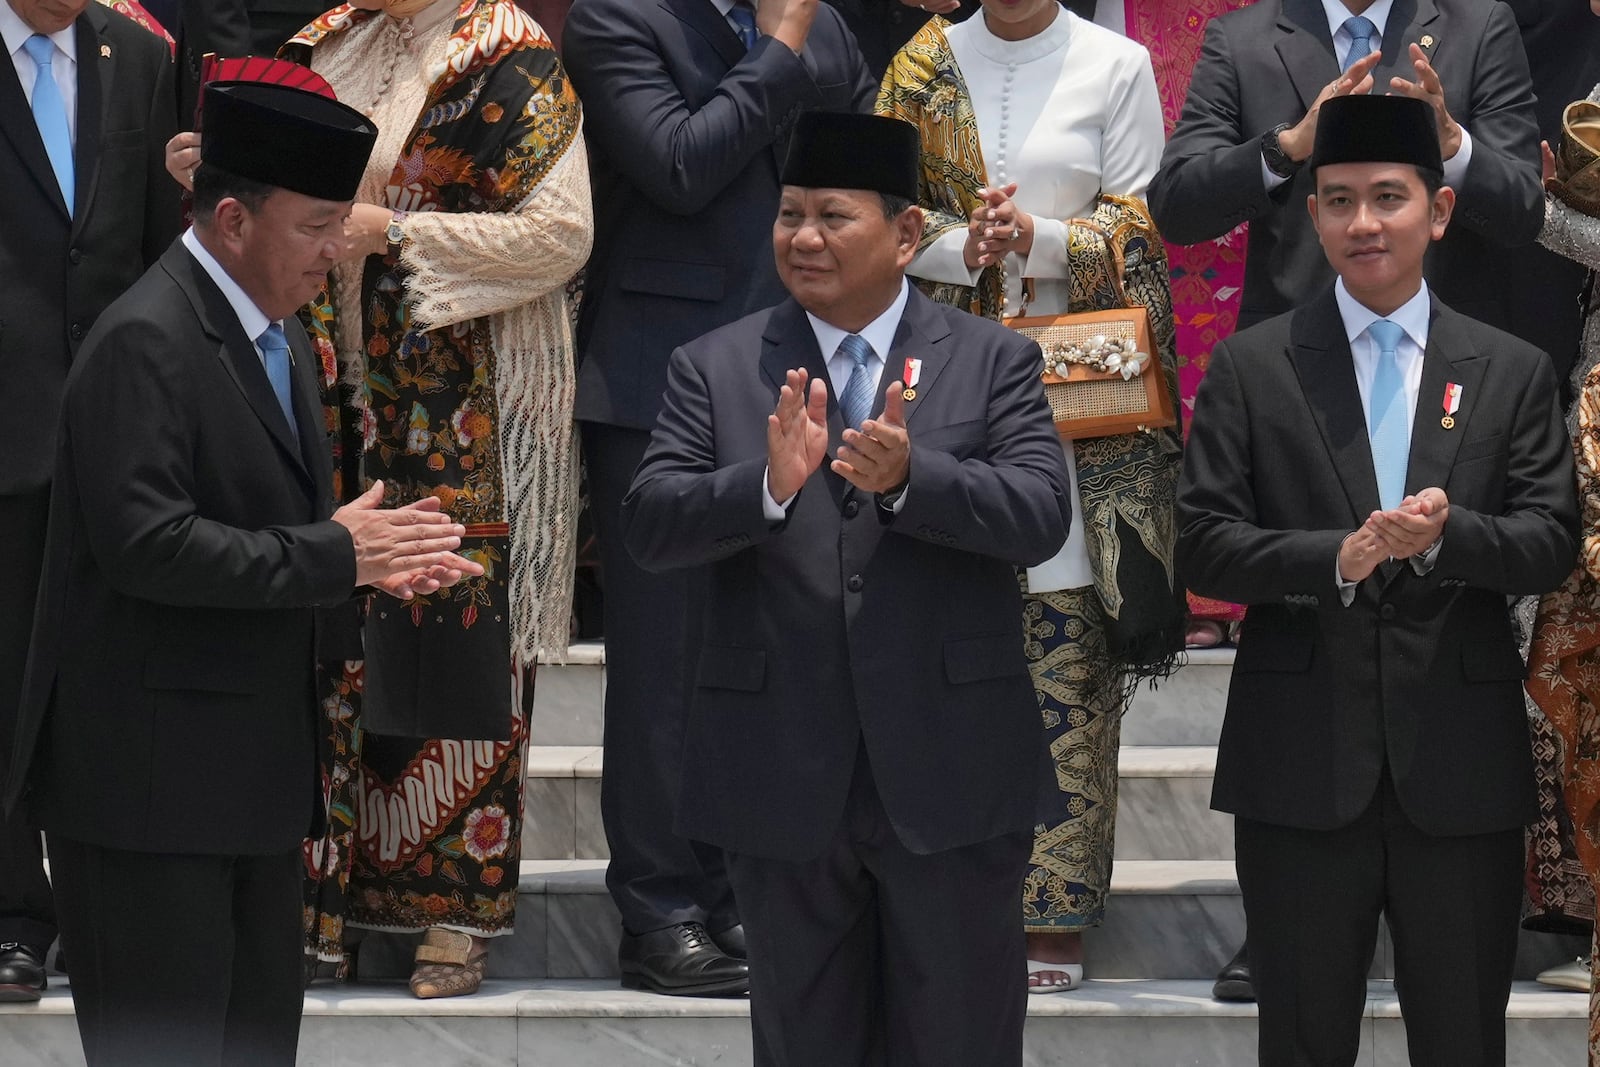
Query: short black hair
{"points": [[213, 185], [894, 206], [1432, 180]]}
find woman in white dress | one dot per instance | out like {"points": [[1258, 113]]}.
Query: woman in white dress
{"points": [[1040, 133]]}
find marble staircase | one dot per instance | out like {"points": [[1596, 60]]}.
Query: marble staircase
{"points": [[1174, 917]]}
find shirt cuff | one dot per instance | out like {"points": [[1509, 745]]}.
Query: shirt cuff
{"points": [[1455, 168], [898, 504], [1347, 590], [1422, 562], [770, 508], [1268, 178]]}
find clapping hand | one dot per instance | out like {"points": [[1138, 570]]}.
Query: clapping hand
{"points": [[1409, 529], [404, 550], [797, 434], [877, 457], [1428, 88], [1297, 141]]}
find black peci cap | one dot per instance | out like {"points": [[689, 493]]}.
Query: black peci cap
{"points": [[1377, 129], [839, 150], [285, 137]]}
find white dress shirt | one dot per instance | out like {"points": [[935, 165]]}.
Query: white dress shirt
{"points": [[879, 333], [64, 67], [252, 318], [1412, 318], [1455, 168]]}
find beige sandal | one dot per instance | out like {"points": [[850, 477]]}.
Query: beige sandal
{"points": [[448, 963]]}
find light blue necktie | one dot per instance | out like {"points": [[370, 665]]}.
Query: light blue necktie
{"points": [[745, 17], [275, 357], [1361, 30], [50, 114], [856, 403], [1386, 425]]}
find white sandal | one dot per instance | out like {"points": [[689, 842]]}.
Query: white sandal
{"points": [[1072, 976]]}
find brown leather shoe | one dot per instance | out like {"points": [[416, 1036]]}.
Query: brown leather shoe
{"points": [[449, 964]]}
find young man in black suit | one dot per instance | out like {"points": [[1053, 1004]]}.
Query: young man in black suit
{"points": [[862, 737], [1374, 474], [688, 106], [87, 207], [167, 740]]}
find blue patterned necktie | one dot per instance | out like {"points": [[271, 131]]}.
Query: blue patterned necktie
{"points": [[1386, 425], [50, 114], [275, 357], [1361, 30], [745, 17], [856, 403]]}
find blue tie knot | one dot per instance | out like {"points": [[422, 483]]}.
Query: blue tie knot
{"points": [[41, 50], [1387, 334], [273, 339], [855, 346], [744, 16], [1361, 30]]}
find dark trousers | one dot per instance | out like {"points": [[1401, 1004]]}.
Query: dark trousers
{"points": [[656, 877], [27, 915], [191, 960], [872, 955], [1313, 899]]}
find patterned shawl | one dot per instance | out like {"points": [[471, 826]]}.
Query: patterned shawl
{"points": [[498, 117], [1127, 485]]}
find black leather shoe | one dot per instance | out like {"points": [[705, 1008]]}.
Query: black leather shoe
{"points": [[731, 942], [681, 960], [1233, 981], [21, 974]]}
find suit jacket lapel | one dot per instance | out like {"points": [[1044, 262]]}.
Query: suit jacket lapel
{"points": [[920, 336], [1450, 358], [1322, 360], [96, 75], [308, 414], [1407, 22], [236, 351], [1306, 48], [705, 20], [18, 127]]}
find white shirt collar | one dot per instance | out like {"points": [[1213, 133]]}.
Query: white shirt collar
{"points": [[252, 318], [879, 333], [725, 6], [1412, 316], [1378, 13], [15, 32]]}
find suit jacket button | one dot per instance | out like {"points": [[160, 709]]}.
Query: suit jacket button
{"points": [[851, 509], [855, 584], [1386, 612], [76, 332], [75, 256]]}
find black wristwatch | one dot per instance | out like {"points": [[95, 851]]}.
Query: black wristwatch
{"points": [[1272, 152]]}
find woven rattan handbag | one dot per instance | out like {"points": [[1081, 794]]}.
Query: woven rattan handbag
{"points": [[1102, 373]]}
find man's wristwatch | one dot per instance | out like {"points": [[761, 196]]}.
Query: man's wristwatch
{"points": [[1272, 152], [395, 233]]}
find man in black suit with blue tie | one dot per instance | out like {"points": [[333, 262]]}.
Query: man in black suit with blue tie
{"points": [[859, 470], [86, 107], [1373, 474], [688, 106]]}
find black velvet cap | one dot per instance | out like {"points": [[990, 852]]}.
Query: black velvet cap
{"points": [[1377, 129], [289, 138], [838, 150]]}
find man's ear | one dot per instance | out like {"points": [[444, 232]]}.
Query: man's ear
{"points": [[1311, 206], [908, 228], [1440, 211]]}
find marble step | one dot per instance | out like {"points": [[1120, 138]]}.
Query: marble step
{"points": [[1186, 709], [1164, 804], [1140, 1023], [1177, 919]]}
